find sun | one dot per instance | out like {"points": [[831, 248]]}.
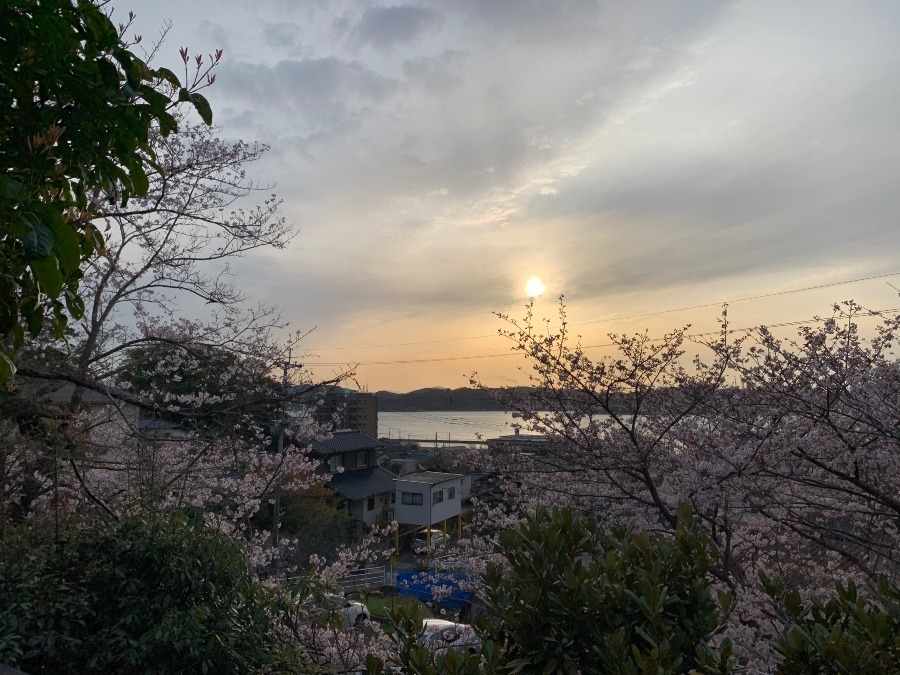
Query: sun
{"points": [[535, 287]]}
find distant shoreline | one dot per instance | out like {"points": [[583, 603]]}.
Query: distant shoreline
{"points": [[460, 400]]}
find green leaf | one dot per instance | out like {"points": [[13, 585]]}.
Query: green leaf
{"points": [[7, 367], [46, 272], [168, 76], [203, 107], [38, 240], [66, 246], [139, 181]]}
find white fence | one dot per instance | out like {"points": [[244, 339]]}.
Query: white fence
{"points": [[364, 577]]}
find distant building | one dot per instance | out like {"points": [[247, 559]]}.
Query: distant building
{"points": [[517, 442], [341, 408]]}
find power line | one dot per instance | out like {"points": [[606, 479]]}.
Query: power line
{"points": [[784, 324], [615, 318], [749, 297]]}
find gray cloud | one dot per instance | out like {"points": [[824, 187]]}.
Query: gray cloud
{"points": [[387, 27], [439, 75], [282, 35]]}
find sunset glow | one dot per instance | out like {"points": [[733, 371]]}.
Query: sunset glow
{"points": [[535, 287]]}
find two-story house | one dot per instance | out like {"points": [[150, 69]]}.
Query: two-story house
{"points": [[350, 457]]}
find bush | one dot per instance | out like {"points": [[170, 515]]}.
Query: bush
{"points": [[575, 600], [850, 632], [143, 596]]}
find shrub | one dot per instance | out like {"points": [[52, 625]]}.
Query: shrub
{"points": [[143, 596], [850, 632]]}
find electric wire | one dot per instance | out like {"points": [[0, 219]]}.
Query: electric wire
{"points": [[629, 316]]}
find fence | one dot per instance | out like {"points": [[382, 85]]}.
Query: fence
{"points": [[363, 577]]}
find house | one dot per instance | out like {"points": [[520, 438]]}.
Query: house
{"points": [[429, 497], [368, 489]]}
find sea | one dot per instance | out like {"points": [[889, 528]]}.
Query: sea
{"points": [[445, 425]]}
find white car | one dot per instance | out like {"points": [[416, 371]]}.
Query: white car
{"points": [[439, 634], [420, 543], [354, 613], [350, 612]]}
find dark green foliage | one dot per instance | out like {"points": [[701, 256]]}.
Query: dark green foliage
{"points": [[235, 395], [574, 600], [850, 632], [143, 597], [76, 109]]}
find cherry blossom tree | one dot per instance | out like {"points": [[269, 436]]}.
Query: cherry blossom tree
{"points": [[194, 410], [793, 470]]}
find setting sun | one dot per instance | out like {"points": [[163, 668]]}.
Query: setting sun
{"points": [[534, 287]]}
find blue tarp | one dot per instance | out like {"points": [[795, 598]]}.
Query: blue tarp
{"points": [[421, 585]]}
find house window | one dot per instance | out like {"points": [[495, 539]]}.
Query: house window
{"points": [[362, 459], [334, 462], [411, 498], [451, 493], [437, 497], [370, 504]]}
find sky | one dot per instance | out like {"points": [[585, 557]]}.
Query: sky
{"points": [[649, 161]]}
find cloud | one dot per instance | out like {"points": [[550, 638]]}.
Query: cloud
{"points": [[385, 28], [435, 153], [438, 75], [282, 35], [325, 95]]}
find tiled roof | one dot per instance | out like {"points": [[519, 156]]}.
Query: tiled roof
{"points": [[362, 483], [345, 440]]}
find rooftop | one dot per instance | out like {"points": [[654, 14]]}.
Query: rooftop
{"points": [[345, 440], [430, 477], [362, 483]]}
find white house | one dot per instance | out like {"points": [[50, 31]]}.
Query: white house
{"points": [[428, 497]]}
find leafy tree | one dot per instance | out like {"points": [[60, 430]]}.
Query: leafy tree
{"points": [[210, 376], [852, 631], [154, 596], [76, 112]]}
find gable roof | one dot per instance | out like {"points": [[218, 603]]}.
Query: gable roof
{"points": [[362, 483], [344, 441]]}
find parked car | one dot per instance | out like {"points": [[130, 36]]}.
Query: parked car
{"points": [[439, 634], [350, 612], [420, 543]]}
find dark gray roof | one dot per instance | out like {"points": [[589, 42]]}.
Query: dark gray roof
{"points": [[156, 424], [362, 483], [344, 441], [429, 477], [67, 392]]}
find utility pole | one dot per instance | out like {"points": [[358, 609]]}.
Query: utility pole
{"points": [[276, 507]]}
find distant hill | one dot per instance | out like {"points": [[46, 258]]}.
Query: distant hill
{"points": [[437, 398]]}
